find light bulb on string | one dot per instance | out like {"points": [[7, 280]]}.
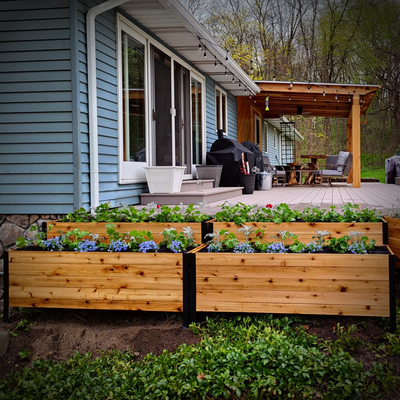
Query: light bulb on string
{"points": [[233, 78]]}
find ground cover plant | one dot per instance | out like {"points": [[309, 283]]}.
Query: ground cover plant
{"points": [[238, 357]]}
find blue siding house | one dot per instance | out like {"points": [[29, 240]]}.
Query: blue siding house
{"points": [[93, 91]]}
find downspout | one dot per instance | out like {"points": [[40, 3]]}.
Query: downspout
{"points": [[92, 95]]}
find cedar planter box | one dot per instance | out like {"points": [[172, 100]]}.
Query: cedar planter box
{"points": [[93, 280], [394, 237], [316, 283], [306, 230], [156, 228]]}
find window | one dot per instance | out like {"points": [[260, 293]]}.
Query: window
{"points": [[161, 101], [133, 99], [220, 110]]}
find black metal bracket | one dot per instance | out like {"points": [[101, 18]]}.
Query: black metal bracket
{"points": [[6, 284], [392, 292], [385, 232], [189, 289]]}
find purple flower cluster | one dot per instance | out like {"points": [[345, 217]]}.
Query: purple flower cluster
{"points": [[357, 248], [150, 245], [118, 245], [276, 248], [53, 244], [176, 246], [312, 247], [86, 245], [243, 248], [214, 248]]}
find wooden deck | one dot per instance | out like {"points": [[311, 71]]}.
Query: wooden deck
{"points": [[370, 195]]}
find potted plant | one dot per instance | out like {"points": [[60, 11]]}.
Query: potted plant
{"points": [[154, 218], [303, 224], [78, 269], [348, 275], [164, 179], [247, 178]]}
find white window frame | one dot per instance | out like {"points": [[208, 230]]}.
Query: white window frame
{"points": [[133, 172], [220, 111], [265, 136]]}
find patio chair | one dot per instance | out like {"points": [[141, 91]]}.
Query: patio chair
{"points": [[278, 172], [337, 166]]}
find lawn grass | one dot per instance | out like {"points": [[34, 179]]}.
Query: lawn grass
{"points": [[374, 173]]}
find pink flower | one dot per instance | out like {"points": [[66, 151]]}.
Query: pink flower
{"points": [[269, 206]]}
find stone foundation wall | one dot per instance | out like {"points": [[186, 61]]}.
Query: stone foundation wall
{"points": [[14, 226]]}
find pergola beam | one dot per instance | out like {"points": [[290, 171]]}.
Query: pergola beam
{"points": [[321, 100]]}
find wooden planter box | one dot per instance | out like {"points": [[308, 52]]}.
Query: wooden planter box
{"points": [[394, 237], [156, 228], [306, 230], [328, 284], [93, 280]]}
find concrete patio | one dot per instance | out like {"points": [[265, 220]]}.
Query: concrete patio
{"points": [[370, 195]]}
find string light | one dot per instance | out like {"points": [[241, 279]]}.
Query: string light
{"points": [[226, 72], [336, 96], [349, 97], [323, 93], [215, 62], [290, 98], [205, 52], [233, 78], [315, 99]]}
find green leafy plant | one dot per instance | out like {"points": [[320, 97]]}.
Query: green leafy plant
{"points": [[353, 213], [24, 354], [22, 324], [178, 241], [339, 245]]}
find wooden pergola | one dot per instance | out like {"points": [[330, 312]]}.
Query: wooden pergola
{"points": [[321, 100]]}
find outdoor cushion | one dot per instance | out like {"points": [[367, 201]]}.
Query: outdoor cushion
{"points": [[330, 172], [342, 160]]}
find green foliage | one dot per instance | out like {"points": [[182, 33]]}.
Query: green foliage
{"points": [[24, 353], [178, 241], [23, 324], [353, 213], [339, 245], [238, 357], [105, 213]]}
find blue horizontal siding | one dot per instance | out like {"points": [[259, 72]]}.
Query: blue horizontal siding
{"points": [[36, 151]]}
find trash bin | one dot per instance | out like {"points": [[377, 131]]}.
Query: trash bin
{"points": [[264, 181]]}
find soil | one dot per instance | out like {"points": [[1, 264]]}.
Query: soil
{"points": [[57, 334]]}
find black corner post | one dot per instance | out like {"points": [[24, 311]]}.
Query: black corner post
{"points": [[392, 292], [385, 232], [189, 289], [204, 230], [6, 284]]}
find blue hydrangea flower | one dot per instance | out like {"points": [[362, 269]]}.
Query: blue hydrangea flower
{"points": [[86, 245], [118, 245], [276, 248], [243, 248], [150, 245]]}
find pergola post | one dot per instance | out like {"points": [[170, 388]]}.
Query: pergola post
{"points": [[349, 147], [356, 140]]}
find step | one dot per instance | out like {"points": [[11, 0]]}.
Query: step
{"points": [[191, 185], [191, 197]]}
